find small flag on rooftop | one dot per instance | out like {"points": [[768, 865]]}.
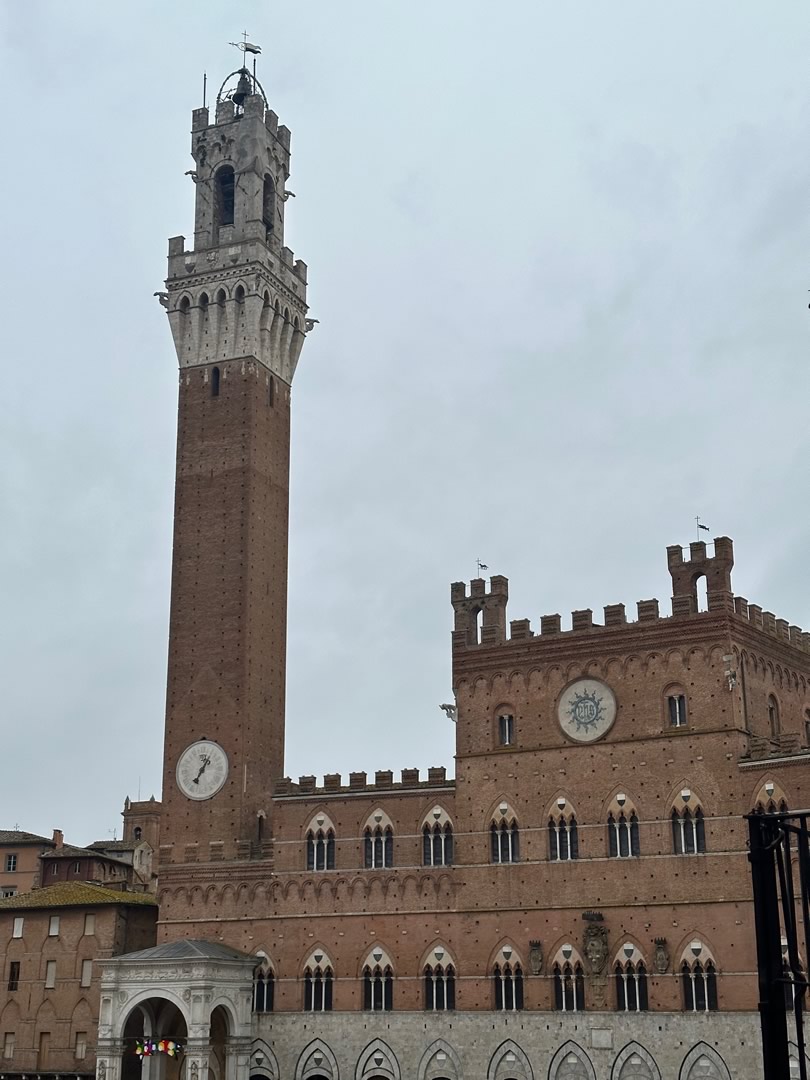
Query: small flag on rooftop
{"points": [[481, 565], [700, 526], [247, 46]]}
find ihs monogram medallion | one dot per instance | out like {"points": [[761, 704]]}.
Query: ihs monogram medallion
{"points": [[586, 710]]}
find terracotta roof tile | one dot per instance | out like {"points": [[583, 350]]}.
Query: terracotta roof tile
{"points": [[73, 894], [14, 836]]}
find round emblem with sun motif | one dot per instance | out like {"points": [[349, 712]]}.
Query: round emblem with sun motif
{"points": [[586, 710]]}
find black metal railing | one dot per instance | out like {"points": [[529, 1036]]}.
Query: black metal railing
{"points": [[780, 872]]}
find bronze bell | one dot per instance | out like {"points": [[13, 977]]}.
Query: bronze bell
{"points": [[244, 89]]}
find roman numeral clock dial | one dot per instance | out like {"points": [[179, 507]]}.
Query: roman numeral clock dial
{"points": [[202, 769]]}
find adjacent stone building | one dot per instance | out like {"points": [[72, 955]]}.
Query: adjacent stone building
{"points": [[20, 860], [574, 904], [51, 943]]}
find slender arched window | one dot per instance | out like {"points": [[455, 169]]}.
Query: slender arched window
{"points": [[773, 716], [137, 832], [676, 706], [631, 986], [225, 186], [378, 988], [215, 382], [563, 839], [318, 989], [440, 987], [688, 832], [263, 987], [504, 841], [506, 729], [268, 202], [379, 847], [321, 850], [508, 982], [623, 841], [699, 986], [437, 845], [569, 987]]}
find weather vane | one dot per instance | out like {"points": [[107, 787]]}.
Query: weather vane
{"points": [[481, 566], [700, 526]]}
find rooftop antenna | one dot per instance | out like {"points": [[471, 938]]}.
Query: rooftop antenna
{"points": [[481, 566], [700, 526]]}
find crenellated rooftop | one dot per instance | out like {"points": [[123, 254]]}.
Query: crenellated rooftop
{"points": [[685, 573], [358, 784]]}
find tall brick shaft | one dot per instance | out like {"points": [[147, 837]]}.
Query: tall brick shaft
{"points": [[237, 307]]}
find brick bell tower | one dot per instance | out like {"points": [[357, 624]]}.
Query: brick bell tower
{"points": [[237, 307]]}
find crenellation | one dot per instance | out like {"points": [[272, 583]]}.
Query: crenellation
{"points": [[357, 780], [332, 781], [550, 624], [741, 606], [755, 616], [520, 629], [271, 121], [306, 784], [199, 119], [782, 630], [769, 622], [283, 136], [582, 619], [615, 615], [410, 777], [383, 778], [647, 610], [226, 111]]}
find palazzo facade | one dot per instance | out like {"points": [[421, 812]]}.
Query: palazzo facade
{"points": [[575, 904]]}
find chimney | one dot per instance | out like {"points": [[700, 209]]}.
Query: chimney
{"points": [[58, 838]]}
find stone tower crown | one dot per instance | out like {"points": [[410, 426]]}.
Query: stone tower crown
{"points": [[239, 293]]}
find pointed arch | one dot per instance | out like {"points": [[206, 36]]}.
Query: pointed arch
{"points": [[504, 833], [634, 1062], [367, 1064], [377, 973], [703, 1063], [506, 967], [431, 1067], [378, 841], [320, 842], [568, 974], [438, 970], [563, 833], [571, 1063], [311, 1064], [509, 1061], [437, 837]]}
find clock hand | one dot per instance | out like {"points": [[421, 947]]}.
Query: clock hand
{"points": [[203, 767]]}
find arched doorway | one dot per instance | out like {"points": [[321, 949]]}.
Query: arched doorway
{"points": [[150, 1024]]}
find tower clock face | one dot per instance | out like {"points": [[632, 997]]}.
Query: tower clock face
{"points": [[586, 710], [202, 770]]}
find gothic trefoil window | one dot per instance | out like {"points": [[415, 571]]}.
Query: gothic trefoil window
{"points": [[569, 987], [437, 839], [263, 987], [440, 981], [563, 839], [699, 986], [622, 824], [318, 981], [504, 836], [378, 842], [507, 978], [630, 974], [688, 828], [321, 844], [378, 982]]}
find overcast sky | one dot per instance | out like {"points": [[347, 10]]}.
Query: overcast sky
{"points": [[559, 255]]}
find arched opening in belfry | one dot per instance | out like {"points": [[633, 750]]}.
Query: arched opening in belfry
{"points": [[268, 202], [154, 1041], [224, 196], [701, 592]]}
